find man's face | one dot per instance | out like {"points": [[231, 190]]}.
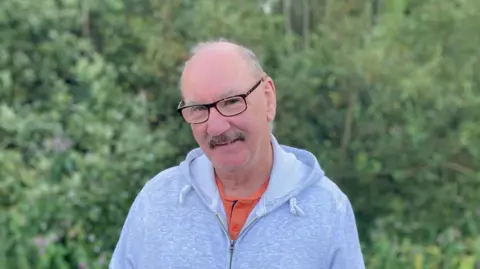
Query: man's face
{"points": [[229, 142]]}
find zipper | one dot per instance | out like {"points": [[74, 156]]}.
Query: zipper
{"points": [[232, 242], [245, 230], [232, 247]]}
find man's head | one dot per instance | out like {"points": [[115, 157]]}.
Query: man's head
{"points": [[236, 132]]}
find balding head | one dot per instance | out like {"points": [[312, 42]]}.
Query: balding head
{"points": [[212, 50], [244, 52]]}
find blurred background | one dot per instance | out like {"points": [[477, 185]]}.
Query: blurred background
{"points": [[386, 94]]}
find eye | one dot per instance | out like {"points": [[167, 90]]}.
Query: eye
{"points": [[232, 101], [197, 108]]}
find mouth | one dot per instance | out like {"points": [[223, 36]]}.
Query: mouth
{"points": [[228, 143]]}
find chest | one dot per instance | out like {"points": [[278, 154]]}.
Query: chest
{"points": [[194, 237]]}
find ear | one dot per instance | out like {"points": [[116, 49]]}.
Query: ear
{"points": [[271, 98]]}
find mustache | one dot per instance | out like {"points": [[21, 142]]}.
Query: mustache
{"points": [[225, 139]]}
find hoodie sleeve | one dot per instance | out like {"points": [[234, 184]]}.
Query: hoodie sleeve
{"points": [[346, 252], [129, 246]]}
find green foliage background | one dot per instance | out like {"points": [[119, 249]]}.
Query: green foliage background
{"points": [[386, 93]]}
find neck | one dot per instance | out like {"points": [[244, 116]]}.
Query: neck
{"points": [[245, 181]]}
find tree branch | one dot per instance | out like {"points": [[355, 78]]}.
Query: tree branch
{"points": [[306, 23], [461, 169], [287, 6], [86, 19], [347, 128]]}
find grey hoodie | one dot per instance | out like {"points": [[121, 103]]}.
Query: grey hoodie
{"points": [[302, 221]]}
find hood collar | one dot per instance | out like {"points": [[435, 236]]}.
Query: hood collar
{"points": [[293, 170]]}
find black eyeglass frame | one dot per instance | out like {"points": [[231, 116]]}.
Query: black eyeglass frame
{"points": [[214, 104]]}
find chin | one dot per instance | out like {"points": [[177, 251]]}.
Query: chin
{"points": [[229, 162], [230, 167]]}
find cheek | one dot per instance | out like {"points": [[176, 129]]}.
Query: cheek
{"points": [[248, 123], [198, 131]]}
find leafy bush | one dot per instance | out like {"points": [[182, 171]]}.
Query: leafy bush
{"points": [[448, 252], [386, 98]]}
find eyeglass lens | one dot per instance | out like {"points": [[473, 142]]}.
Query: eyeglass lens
{"points": [[227, 107]]}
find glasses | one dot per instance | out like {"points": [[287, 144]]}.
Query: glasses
{"points": [[227, 107]]}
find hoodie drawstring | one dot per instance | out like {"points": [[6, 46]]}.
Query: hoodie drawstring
{"points": [[184, 192], [295, 209]]}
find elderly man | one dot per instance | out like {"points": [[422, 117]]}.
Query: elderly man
{"points": [[240, 200]]}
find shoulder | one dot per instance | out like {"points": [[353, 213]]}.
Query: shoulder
{"points": [[164, 178], [164, 182], [318, 188], [329, 192], [323, 193]]}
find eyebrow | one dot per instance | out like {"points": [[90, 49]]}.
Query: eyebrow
{"points": [[187, 103], [228, 93]]}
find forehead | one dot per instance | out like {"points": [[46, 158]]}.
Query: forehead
{"points": [[208, 81], [205, 94]]}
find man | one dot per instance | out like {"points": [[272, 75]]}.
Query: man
{"points": [[240, 200]]}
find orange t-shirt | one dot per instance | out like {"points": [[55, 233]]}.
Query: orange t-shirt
{"points": [[238, 209]]}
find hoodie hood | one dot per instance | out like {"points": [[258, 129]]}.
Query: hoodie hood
{"points": [[293, 170]]}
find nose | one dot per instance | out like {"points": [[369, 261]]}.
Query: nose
{"points": [[217, 124]]}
